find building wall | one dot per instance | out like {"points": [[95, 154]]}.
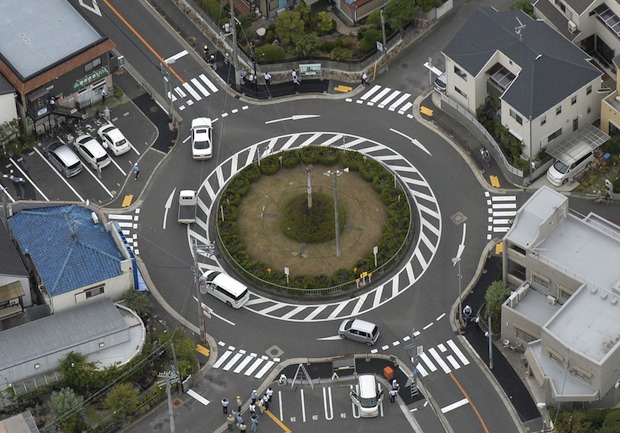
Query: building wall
{"points": [[8, 109]]}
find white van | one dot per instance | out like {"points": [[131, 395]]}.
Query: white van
{"points": [[225, 288], [367, 396], [561, 171]]}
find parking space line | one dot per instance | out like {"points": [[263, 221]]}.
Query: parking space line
{"points": [[99, 181], [30, 180], [303, 405]]}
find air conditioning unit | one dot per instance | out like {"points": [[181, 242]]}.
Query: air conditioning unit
{"points": [[572, 27], [552, 300]]}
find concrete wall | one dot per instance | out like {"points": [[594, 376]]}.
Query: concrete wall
{"points": [[8, 108]]}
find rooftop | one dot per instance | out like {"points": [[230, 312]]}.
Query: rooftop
{"points": [[36, 35], [67, 248]]}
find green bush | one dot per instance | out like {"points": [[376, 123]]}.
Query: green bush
{"points": [[290, 159], [270, 36], [231, 197], [251, 172], [240, 184], [368, 43], [346, 41], [327, 155], [369, 169], [313, 224], [215, 10], [270, 165], [352, 160], [327, 46], [340, 53], [616, 188], [309, 155], [270, 53]]}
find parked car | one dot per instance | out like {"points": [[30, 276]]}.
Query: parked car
{"points": [[202, 138], [64, 159], [113, 139], [91, 150], [359, 330]]}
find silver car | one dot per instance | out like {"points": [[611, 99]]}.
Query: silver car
{"points": [[64, 159], [359, 330]]}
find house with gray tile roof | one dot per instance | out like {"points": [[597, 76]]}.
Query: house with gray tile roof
{"points": [[564, 308], [547, 87], [74, 257]]}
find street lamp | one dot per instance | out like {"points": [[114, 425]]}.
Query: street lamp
{"points": [[165, 73], [457, 261], [335, 174]]}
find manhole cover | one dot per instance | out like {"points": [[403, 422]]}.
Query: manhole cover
{"points": [[458, 218]]}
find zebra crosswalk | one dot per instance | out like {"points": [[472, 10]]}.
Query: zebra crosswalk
{"points": [[192, 91], [501, 210], [239, 361], [128, 224], [441, 358], [385, 97]]}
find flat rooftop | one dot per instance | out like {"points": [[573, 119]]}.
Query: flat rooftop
{"points": [[36, 35]]}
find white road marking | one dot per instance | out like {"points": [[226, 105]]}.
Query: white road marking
{"points": [[424, 357], [209, 83], [222, 359], [192, 92], [177, 56], [455, 405], [458, 352], [439, 360], [368, 94], [399, 101], [198, 397], [200, 87]]}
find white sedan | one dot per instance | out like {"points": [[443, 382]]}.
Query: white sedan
{"points": [[113, 139], [92, 152], [202, 138]]}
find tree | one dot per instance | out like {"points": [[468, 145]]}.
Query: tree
{"points": [[66, 406], [121, 401], [370, 39], [138, 302], [79, 374], [185, 350], [399, 13], [326, 23], [495, 296], [306, 45], [290, 27], [523, 5]]}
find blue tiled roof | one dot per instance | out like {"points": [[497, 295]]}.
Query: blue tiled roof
{"points": [[67, 248]]}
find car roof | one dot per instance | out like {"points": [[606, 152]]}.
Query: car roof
{"points": [[64, 152], [92, 144], [201, 121], [363, 325]]}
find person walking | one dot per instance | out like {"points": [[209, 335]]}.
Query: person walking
{"points": [[136, 171], [267, 77], [254, 395], [225, 405], [239, 419], [252, 407], [242, 427], [239, 404], [395, 385], [365, 78], [254, 425], [393, 394], [230, 420], [266, 402], [269, 394]]}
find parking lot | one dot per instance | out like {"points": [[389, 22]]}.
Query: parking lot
{"points": [[43, 182]]}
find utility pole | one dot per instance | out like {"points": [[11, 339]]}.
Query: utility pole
{"points": [[235, 55], [457, 261], [414, 361], [309, 187], [383, 32], [335, 175], [169, 377]]}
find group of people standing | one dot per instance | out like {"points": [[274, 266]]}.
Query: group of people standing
{"points": [[257, 405]]}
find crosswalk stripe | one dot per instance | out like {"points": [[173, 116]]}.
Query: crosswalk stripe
{"points": [[501, 229], [200, 87], [452, 361], [120, 217], [504, 213], [500, 221], [243, 363], [192, 92], [232, 362], [180, 92], [504, 206], [428, 362], [264, 370], [503, 198], [368, 94], [439, 360], [253, 367], [399, 101], [380, 95], [387, 100], [421, 370], [458, 352], [208, 82], [405, 107], [222, 359]]}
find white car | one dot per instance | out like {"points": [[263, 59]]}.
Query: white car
{"points": [[92, 152], [113, 139], [202, 138]]}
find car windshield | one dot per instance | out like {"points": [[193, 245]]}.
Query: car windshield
{"points": [[347, 325], [120, 142], [102, 158], [560, 167], [368, 402], [201, 144]]}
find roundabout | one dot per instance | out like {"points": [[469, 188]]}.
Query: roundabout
{"points": [[426, 214]]}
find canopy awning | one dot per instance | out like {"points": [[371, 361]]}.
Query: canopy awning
{"points": [[577, 144]]}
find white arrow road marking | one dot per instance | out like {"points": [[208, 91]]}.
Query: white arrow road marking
{"points": [[295, 117], [413, 141], [177, 56], [94, 8], [332, 338], [167, 207]]}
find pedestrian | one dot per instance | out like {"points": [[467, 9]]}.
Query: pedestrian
{"points": [[252, 408], [242, 427], [393, 393], [103, 94], [254, 425], [239, 419], [364, 78], [395, 385], [254, 395], [282, 380], [205, 50], [239, 404], [136, 171], [467, 312], [230, 420], [225, 405], [261, 409], [269, 394], [266, 402], [267, 77], [296, 82], [293, 75]]}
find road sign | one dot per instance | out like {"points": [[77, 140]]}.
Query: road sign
{"points": [[379, 46], [310, 69]]}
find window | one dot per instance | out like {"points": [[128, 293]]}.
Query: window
{"points": [[517, 249], [460, 92], [556, 356], [94, 292], [543, 120], [555, 135], [588, 89], [516, 117], [540, 281], [458, 71], [564, 293], [522, 335], [558, 110], [90, 66], [573, 100]]}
